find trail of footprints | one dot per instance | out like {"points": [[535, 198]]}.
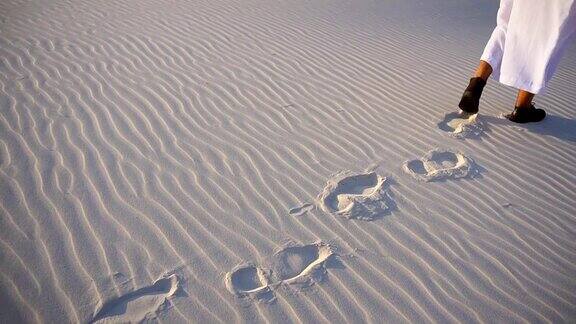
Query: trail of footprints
{"points": [[362, 196], [365, 196]]}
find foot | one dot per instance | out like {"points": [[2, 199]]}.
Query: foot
{"points": [[529, 114], [471, 98], [465, 115]]}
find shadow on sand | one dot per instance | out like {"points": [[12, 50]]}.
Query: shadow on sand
{"points": [[556, 126]]}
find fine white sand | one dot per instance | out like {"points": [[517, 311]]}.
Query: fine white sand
{"points": [[275, 161]]}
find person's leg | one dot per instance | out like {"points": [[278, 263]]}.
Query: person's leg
{"points": [[471, 98], [483, 71], [552, 27], [525, 112], [524, 99], [489, 61]]}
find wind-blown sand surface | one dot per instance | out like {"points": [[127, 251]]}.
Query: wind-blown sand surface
{"points": [[275, 161]]}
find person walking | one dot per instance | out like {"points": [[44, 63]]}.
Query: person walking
{"points": [[523, 52]]}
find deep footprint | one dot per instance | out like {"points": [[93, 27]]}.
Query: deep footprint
{"points": [[301, 264], [246, 280], [440, 165], [461, 125], [360, 196], [141, 304]]}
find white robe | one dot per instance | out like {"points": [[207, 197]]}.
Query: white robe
{"points": [[527, 43]]}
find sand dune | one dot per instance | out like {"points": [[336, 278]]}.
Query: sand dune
{"points": [[245, 161]]}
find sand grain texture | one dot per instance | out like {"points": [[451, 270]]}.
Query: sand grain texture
{"points": [[157, 156]]}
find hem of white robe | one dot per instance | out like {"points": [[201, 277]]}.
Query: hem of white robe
{"points": [[521, 84], [511, 81]]}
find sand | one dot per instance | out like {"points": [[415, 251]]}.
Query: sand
{"points": [[275, 161]]}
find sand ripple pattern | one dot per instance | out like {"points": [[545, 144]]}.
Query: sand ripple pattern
{"points": [[151, 137]]}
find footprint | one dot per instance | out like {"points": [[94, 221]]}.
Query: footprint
{"points": [[360, 196], [298, 211], [246, 280], [462, 125], [139, 305], [440, 165], [300, 264], [64, 179], [4, 154]]}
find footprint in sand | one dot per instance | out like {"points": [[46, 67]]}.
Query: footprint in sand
{"points": [[298, 211], [462, 125], [440, 165], [360, 196], [142, 304], [246, 280], [300, 264]]}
